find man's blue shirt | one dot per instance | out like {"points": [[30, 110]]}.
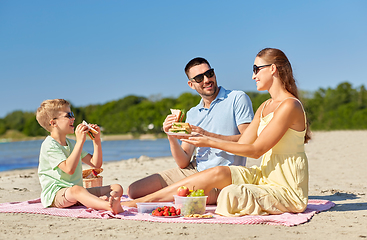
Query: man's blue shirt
{"points": [[228, 110]]}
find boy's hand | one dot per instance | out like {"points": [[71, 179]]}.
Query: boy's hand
{"points": [[98, 129], [81, 132]]}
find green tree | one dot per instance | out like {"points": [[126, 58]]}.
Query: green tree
{"points": [[2, 127], [32, 128], [327, 109], [15, 120], [257, 99]]}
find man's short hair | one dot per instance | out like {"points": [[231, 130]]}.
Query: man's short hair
{"points": [[48, 110], [194, 62]]}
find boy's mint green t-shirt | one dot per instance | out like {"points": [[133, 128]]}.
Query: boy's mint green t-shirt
{"points": [[51, 177]]}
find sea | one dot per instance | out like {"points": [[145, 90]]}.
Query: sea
{"points": [[25, 154]]}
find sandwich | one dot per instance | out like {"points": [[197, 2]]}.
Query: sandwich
{"points": [[179, 114], [91, 130], [92, 173], [180, 127]]}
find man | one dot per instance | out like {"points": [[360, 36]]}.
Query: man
{"points": [[220, 114]]}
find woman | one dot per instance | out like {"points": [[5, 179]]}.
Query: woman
{"points": [[278, 132]]}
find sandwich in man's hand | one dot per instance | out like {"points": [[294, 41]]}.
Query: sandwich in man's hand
{"points": [[179, 127], [179, 114]]}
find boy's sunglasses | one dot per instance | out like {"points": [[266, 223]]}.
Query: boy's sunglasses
{"points": [[256, 69], [199, 78], [68, 115]]}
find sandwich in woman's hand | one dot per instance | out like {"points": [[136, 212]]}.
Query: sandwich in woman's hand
{"points": [[91, 130]]}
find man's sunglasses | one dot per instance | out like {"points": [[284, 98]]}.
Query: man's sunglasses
{"points": [[256, 69], [199, 78], [68, 115]]}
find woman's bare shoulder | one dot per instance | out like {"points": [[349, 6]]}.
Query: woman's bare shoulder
{"points": [[292, 104]]}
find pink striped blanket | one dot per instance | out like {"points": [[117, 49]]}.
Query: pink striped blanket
{"points": [[286, 219]]}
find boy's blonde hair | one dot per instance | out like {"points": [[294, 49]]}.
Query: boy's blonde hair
{"points": [[49, 110]]}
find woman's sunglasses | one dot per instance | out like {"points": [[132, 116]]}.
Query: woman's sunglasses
{"points": [[256, 69], [199, 78]]}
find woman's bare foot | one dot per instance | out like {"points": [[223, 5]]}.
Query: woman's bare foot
{"points": [[129, 204], [115, 201]]}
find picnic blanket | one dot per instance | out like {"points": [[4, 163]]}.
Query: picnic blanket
{"points": [[286, 219]]}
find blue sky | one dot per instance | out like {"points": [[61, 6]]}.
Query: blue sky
{"points": [[93, 52]]}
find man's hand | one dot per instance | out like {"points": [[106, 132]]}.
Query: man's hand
{"points": [[167, 124]]}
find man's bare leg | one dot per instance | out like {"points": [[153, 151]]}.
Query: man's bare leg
{"points": [[218, 177], [145, 186]]}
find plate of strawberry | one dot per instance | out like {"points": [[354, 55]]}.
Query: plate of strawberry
{"points": [[166, 212]]}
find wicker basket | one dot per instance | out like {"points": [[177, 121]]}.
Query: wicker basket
{"points": [[93, 182]]}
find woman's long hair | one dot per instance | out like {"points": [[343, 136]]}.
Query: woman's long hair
{"points": [[277, 57]]}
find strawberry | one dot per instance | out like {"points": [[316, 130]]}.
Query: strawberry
{"points": [[166, 211]]}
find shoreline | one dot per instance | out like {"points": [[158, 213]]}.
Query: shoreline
{"points": [[109, 137], [337, 168], [21, 161]]}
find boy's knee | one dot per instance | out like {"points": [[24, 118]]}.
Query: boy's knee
{"points": [[76, 189], [117, 188]]}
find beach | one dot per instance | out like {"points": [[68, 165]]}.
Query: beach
{"points": [[337, 172]]}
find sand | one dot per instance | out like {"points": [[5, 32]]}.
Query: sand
{"points": [[337, 166]]}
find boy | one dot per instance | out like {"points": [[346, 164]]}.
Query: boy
{"points": [[60, 162]]}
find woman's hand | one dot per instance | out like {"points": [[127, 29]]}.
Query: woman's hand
{"points": [[198, 130], [199, 141]]}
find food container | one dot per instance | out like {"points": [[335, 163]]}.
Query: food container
{"points": [[191, 205], [149, 207], [91, 177], [93, 182]]}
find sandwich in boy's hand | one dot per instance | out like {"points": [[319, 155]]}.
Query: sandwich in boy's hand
{"points": [[179, 127], [91, 130]]}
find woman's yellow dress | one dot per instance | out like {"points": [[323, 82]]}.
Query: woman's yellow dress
{"points": [[279, 185]]}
